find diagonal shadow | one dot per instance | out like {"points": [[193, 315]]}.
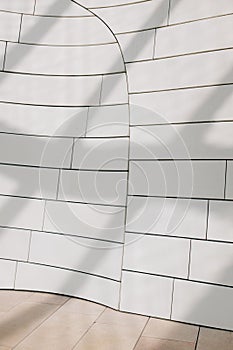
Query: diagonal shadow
{"points": [[216, 104]]}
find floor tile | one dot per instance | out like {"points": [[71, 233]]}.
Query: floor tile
{"points": [[84, 307], [146, 343], [48, 298], [122, 319], [9, 299], [109, 337], [21, 320], [164, 329], [211, 339], [62, 330]]}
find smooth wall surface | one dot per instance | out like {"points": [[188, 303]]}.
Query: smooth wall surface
{"points": [[116, 154]]}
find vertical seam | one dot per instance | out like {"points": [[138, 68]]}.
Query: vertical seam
{"points": [[20, 27], [207, 219], [4, 58], [225, 182], [172, 298]]}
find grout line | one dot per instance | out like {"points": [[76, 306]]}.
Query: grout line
{"points": [[183, 123], [189, 259], [87, 122], [225, 182], [43, 219], [180, 88], [40, 323], [34, 9], [29, 246], [4, 57], [169, 12], [198, 336], [140, 335], [20, 27], [58, 183], [88, 329], [173, 289], [72, 153], [154, 46], [179, 237], [16, 269], [101, 90], [49, 75], [207, 219]]}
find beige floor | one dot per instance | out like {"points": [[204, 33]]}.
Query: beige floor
{"points": [[39, 321]]}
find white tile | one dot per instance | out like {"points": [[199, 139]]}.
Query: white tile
{"points": [[146, 295], [42, 120], [9, 26], [199, 104], [2, 53], [84, 255], [64, 31], [21, 212], [114, 89], [203, 304], [179, 72], [220, 225], [199, 179], [182, 10], [55, 60], [50, 90], [108, 121], [7, 275], [99, 154], [22, 6], [175, 217], [134, 17], [30, 150], [86, 220], [28, 182], [14, 244], [157, 255], [61, 8], [93, 187], [229, 180], [192, 141], [48, 279], [137, 46], [210, 34], [212, 262]]}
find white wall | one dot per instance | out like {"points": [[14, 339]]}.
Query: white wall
{"points": [[116, 154]]}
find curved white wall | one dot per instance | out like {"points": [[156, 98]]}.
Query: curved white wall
{"points": [[116, 155]]}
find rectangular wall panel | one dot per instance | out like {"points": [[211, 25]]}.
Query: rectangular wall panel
{"points": [[21, 212], [180, 141], [64, 31], [54, 280], [93, 187], [188, 105], [28, 182], [209, 34], [145, 294], [220, 221], [181, 72], [203, 304], [9, 26], [85, 255], [134, 17], [149, 254], [183, 10], [212, 262], [101, 154], [35, 151], [50, 90], [164, 216], [93, 221], [42, 120], [7, 277], [199, 179], [14, 244]]}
